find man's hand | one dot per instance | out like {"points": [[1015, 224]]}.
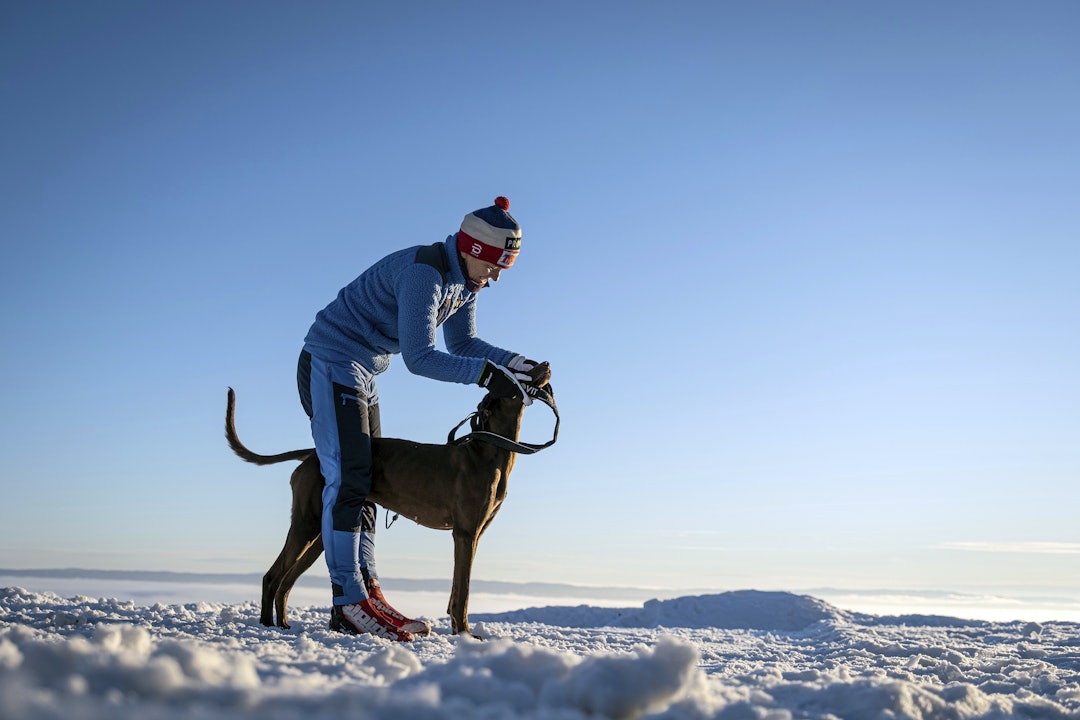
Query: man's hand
{"points": [[530, 372], [522, 363], [501, 382]]}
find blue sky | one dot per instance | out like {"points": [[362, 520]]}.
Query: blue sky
{"points": [[808, 275]]}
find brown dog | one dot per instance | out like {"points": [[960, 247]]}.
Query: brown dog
{"points": [[457, 487]]}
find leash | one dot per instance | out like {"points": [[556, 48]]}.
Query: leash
{"points": [[545, 396]]}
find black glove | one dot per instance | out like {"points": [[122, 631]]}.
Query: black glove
{"points": [[501, 382]]}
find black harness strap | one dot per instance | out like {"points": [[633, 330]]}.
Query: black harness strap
{"points": [[544, 396]]}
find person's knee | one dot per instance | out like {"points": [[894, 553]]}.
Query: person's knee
{"points": [[348, 512]]}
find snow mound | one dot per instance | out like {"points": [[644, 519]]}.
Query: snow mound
{"points": [[741, 610]]}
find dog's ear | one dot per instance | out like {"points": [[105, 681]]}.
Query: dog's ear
{"points": [[540, 374]]}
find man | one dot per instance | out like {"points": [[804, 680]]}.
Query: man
{"points": [[395, 307]]}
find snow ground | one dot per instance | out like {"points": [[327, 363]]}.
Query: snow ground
{"points": [[729, 656]]}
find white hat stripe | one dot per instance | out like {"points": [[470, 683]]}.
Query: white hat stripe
{"points": [[501, 238]]}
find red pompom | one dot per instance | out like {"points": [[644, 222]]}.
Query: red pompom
{"points": [[502, 202]]}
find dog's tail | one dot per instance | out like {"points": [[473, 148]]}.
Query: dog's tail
{"points": [[243, 452]]}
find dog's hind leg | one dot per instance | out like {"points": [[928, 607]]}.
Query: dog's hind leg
{"points": [[303, 544], [307, 558], [270, 582], [274, 586]]}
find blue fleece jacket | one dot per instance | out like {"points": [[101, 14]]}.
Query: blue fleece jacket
{"points": [[395, 306]]}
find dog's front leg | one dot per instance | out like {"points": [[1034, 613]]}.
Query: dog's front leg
{"points": [[464, 551]]}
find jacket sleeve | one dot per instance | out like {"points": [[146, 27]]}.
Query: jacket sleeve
{"points": [[419, 295], [459, 331]]}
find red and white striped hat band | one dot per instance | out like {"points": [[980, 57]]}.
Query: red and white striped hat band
{"points": [[491, 234]]}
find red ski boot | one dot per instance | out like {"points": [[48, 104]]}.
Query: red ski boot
{"points": [[378, 601], [363, 617]]}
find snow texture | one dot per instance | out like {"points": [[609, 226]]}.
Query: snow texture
{"points": [[744, 655]]}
